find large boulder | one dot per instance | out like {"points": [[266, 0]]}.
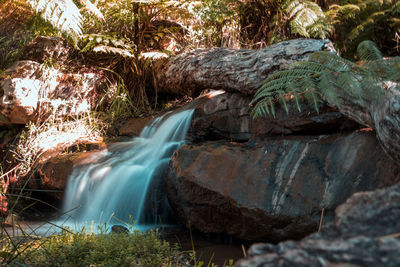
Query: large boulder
{"points": [[273, 189], [228, 116], [31, 92], [365, 233]]}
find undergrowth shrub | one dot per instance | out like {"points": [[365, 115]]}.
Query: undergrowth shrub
{"points": [[355, 21], [264, 22], [86, 248]]}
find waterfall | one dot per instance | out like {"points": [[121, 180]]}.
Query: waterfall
{"points": [[127, 182]]}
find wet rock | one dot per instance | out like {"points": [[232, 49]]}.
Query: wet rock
{"points": [[308, 121], [273, 189], [31, 92], [364, 233], [134, 126], [51, 176], [227, 116], [48, 48]]}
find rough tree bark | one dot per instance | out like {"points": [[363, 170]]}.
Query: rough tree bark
{"points": [[382, 115], [245, 70], [231, 69]]}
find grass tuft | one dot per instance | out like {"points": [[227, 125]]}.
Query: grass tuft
{"points": [[87, 248]]}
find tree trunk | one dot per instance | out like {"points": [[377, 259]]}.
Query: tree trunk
{"points": [[229, 69], [382, 115], [386, 117]]}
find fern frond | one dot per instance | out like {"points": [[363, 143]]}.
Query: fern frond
{"points": [[320, 29], [310, 88], [306, 18], [326, 76], [262, 109], [367, 50], [295, 92], [294, 72], [107, 43], [335, 63], [367, 26], [327, 89], [62, 14], [112, 50], [338, 14], [91, 8]]}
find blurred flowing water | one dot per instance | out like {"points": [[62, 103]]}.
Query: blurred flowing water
{"points": [[127, 182]]}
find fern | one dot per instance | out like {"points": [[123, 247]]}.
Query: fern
{"points": [[367, 50], [359, 20], [107, 43], [326, 76], [307, 19], [64, 14]]}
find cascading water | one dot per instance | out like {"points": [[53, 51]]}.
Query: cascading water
{"points": [[127, 182]]}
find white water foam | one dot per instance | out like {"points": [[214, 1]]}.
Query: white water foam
{"points": [[127, 183]]}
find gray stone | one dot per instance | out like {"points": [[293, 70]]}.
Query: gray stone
{"points": [[228, 116], [365, 233], [273, 189]]}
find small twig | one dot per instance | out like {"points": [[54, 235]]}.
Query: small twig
{"points": [[244, 251], [13, 169], [320, 220], [395, 235]]}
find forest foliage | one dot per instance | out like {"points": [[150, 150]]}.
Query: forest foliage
{"points": [[124, 37]]}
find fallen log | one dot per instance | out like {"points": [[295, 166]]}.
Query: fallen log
{"points": [[232, 70]]}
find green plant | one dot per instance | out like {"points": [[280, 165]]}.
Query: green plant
{"points": [[121, 105], [64, 15], [13, 34], [264, 22], [326, 76], [256, 23], [11, 48], [216, 24], [358, 20], [130, 28], [87, 248], [306, 19]]}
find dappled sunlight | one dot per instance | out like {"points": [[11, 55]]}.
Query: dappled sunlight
{"points": [[55, 135], [214, 93], [64, 14]]}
